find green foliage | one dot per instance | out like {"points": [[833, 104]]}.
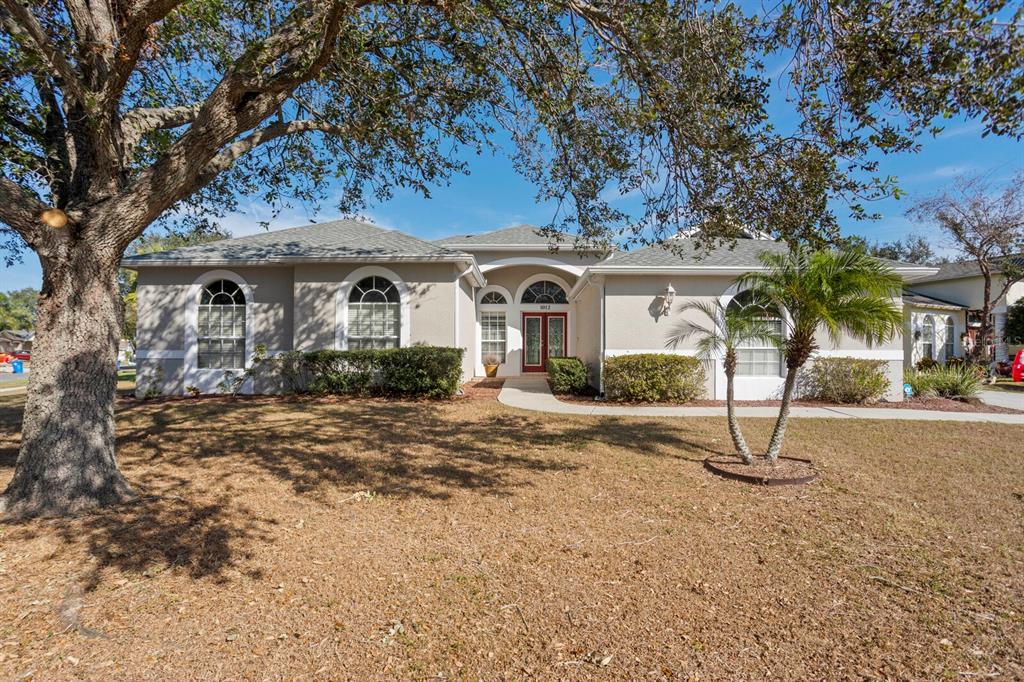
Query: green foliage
{"points": [[843, 292], [730, 328], [18, 309], [926, 363], [415, 371], [847, 380], [567, 375], [953, 381], [653, 377], [1015, 323]]}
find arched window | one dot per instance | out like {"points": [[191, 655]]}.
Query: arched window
{"points": [[949, 349], [759, 358], [928, 337], [374, 314], [493, 298], [221, 326], [544, 292]]}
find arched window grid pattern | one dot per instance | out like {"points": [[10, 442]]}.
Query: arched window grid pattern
{"points": [[493, 298], [221, 326], [374, 314], [759, 358], [544, 291]]}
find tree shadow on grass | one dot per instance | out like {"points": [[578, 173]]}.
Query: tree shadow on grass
{"points": [[186, 457]]}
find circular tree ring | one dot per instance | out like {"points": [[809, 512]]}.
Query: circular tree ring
{"points": [[715, 466]]}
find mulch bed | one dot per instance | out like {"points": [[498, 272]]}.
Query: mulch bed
{"points": [[482, 389], [786, 471], [937, 404]]}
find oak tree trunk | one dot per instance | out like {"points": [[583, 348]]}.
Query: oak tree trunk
{"points": [[66, 463]]}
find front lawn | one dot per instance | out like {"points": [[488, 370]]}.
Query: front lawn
{"points": [[367, 539]]}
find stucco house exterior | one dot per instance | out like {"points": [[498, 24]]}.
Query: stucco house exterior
{"points": [[961, 284], [504, 294]]}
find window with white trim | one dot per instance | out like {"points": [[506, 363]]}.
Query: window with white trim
{"points": [[493, 298], [374, 314], [928, 337], [759, 358], [493, 337], [949, 349], [544, 292], [221, 326]]}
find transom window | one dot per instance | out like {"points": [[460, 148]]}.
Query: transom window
{"points": [[221, 326], [544, 292], [493, 298], [758, 358], [492, 338], [374, 314]]}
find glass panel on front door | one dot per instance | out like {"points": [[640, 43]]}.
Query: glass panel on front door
{"points": [[556, 337], [533, 340]]}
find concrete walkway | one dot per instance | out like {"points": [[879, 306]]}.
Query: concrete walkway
{"points": [[533, 393]]}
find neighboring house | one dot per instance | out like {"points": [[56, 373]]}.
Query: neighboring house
{"points": [[16, 341], [506, 294], [961, 283], [933, 328]]}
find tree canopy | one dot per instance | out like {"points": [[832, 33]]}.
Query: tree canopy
{"points": [[18, 308], [172, 110]]}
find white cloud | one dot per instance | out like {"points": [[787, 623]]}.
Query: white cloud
{"points": [[952, 171]]}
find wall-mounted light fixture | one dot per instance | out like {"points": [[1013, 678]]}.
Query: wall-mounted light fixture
{"points": [[667, 298]]}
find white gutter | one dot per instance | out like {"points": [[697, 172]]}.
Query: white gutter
{"points": [[712, 270]]}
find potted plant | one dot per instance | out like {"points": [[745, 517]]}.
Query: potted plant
{"points": [[491, 363]]}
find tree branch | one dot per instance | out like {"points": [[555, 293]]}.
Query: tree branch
{"points": [[236, 150], [138, 122], [20, 209], [26, 23]]}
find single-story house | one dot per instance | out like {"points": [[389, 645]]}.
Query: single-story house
{"points": [[962, 284], [933, 328], [16, 341], [504, 295]]}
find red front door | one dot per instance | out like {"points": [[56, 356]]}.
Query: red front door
{"points": [[544, 337]]}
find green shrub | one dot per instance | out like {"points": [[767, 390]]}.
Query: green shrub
{"points": [[925, 364], [653, 377], [427, 371], [955, 381], [567, 375], [847, 380], [430, 371]]}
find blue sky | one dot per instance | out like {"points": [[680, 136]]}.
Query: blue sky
{"points": [[494, 196]]}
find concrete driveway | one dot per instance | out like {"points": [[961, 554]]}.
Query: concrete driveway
{"points": [[1003, 399]]}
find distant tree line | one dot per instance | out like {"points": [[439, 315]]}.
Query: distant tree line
{"points": [[18, 308]]}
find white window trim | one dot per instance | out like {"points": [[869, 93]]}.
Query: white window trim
{"points": [[341, 303], [533, 279], [207, 380], [748, 387]]}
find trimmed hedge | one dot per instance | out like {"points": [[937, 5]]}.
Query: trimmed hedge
{"points": [[567, 375], [416, 371], [847, 380], [653, 377]]}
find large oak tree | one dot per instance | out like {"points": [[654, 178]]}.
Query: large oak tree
{"points": [[115, 114]]}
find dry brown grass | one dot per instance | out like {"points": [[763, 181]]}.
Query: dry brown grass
{"points": [[364, 540]]}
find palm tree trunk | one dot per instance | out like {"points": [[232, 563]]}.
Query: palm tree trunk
{"points": [[742, 449], [775, 444]]}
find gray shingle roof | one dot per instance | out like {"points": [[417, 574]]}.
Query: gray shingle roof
{"points": [[964, 269], [509, 236], [336, 240], [685, 252], [915, 298]]}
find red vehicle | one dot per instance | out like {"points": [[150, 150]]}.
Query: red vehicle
{"points": [[1017, 372], [23, 355]]}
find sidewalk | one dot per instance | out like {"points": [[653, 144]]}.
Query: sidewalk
{"points": [[533, 393]]}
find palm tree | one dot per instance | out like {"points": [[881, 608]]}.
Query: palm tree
{"points": [[841, 291], [731, 327]]}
